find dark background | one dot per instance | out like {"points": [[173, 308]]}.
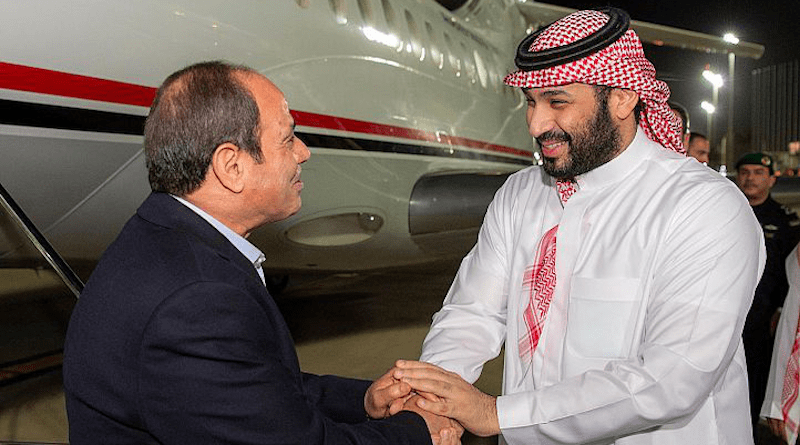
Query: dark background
{"points": [[770, 23]]}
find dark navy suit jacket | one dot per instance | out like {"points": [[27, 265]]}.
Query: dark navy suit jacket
{"points": [[175, 340]]}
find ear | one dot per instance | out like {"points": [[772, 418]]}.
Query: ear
{"points": [[772, 180], [622, 102], [227, 165]]}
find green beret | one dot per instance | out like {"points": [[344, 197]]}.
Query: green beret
{"points": [[756, 159]]}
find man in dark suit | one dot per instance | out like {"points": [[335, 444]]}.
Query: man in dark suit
{"points": [[175, 339]]}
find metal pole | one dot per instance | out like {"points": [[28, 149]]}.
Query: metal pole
{"points": [[36, 237], [714, 99], [728, 149]]}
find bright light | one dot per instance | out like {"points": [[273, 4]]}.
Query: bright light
{"points": [[713, 78], [707, 107], [730, 38], [376, 36]]}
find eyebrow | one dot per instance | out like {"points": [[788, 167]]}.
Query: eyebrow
{"points": [[291, 131], [546, 93]]}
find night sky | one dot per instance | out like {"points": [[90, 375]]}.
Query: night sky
{"points": [[774, 24]]}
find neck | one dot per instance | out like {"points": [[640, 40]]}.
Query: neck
{"points": [[627, 133], [217, 204]]}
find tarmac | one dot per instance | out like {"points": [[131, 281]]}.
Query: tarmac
{"points": [[352, 325]]}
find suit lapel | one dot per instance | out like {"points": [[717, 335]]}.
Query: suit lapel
{"points": [[164, 210]]}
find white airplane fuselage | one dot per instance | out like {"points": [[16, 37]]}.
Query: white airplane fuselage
{"points": [[389, 95]]}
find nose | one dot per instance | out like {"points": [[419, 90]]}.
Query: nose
{"points": [[301, 151], [539, 120]]}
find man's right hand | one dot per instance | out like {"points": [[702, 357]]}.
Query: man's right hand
{"points": [[444, 430]]}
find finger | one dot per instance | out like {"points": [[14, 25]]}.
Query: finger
{"points": [[430, 396], [446, 436], [411, 364], [437, 387], [397, 405], [426, 373], [441, 408], [399, 389]]}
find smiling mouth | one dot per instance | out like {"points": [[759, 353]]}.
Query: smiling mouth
{"points": [[551, 148]]}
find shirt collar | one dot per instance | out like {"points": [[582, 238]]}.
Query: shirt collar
{"points": [[251, 252], [621, 166]]}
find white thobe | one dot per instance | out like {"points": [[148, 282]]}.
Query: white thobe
{"points": [[657, 260], [784, 341]]}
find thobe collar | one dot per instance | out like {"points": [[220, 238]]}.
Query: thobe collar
{"points": [[614, 170]]}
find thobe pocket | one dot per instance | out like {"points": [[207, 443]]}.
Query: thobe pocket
{"points": [[602, 316]]}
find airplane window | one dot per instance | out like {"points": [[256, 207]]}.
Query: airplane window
{"points": [[388, 12], [455, 62], [436, 55], [339, 8], [483, 76], [365, 7], [415, 46]]}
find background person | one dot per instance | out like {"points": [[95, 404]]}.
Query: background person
{"points": [[683, 114], [781, 407], [756, 177], [617, 287], [175, 339], [698, 147]]}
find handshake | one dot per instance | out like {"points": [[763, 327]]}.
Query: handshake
{"points": [[448, 403]]}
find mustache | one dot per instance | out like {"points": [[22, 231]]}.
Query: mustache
{"points": [[553, 136]]}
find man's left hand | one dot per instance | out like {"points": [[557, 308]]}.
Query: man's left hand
{"points": [[386, 396], [447, 394]]}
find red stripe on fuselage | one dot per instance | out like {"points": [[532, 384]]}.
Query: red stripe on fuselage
{"points": [[339, 123], [39, 80]]}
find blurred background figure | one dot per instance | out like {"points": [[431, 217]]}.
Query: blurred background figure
{"points": [[683, 114], [698, 147], [781, 227], [781, 408]]}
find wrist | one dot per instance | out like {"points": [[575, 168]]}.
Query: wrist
{"points": [[494, 420]]}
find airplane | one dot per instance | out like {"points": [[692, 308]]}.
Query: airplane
{"points": [[401, 103]]}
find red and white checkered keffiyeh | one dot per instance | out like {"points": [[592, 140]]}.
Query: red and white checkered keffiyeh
{"points": [[620, 65]]}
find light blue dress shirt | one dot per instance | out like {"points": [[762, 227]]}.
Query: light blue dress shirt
{"points": [[251, 252]]}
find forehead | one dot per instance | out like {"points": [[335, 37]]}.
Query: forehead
{"points": [[753, 168], [272, 105], [572, 89]]}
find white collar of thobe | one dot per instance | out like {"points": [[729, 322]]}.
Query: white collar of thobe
{"points": [[620, 167]]}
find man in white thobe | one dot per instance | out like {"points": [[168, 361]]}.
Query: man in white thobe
{"points": [[617, 276], [781, 405]]}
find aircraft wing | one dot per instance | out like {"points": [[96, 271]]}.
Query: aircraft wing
{"points": [[541, 14]]}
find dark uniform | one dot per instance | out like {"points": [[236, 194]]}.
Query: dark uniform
{"points": [[781, 228]]}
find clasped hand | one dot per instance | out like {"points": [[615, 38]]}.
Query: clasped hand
{"points": [[387, 396], [447, 394]]}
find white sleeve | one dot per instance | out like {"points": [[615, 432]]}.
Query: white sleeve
{"points": [[784, 340], [705, 273], [470, 328]]}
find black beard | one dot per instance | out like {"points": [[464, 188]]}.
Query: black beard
{"points": [[589, 147]]}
